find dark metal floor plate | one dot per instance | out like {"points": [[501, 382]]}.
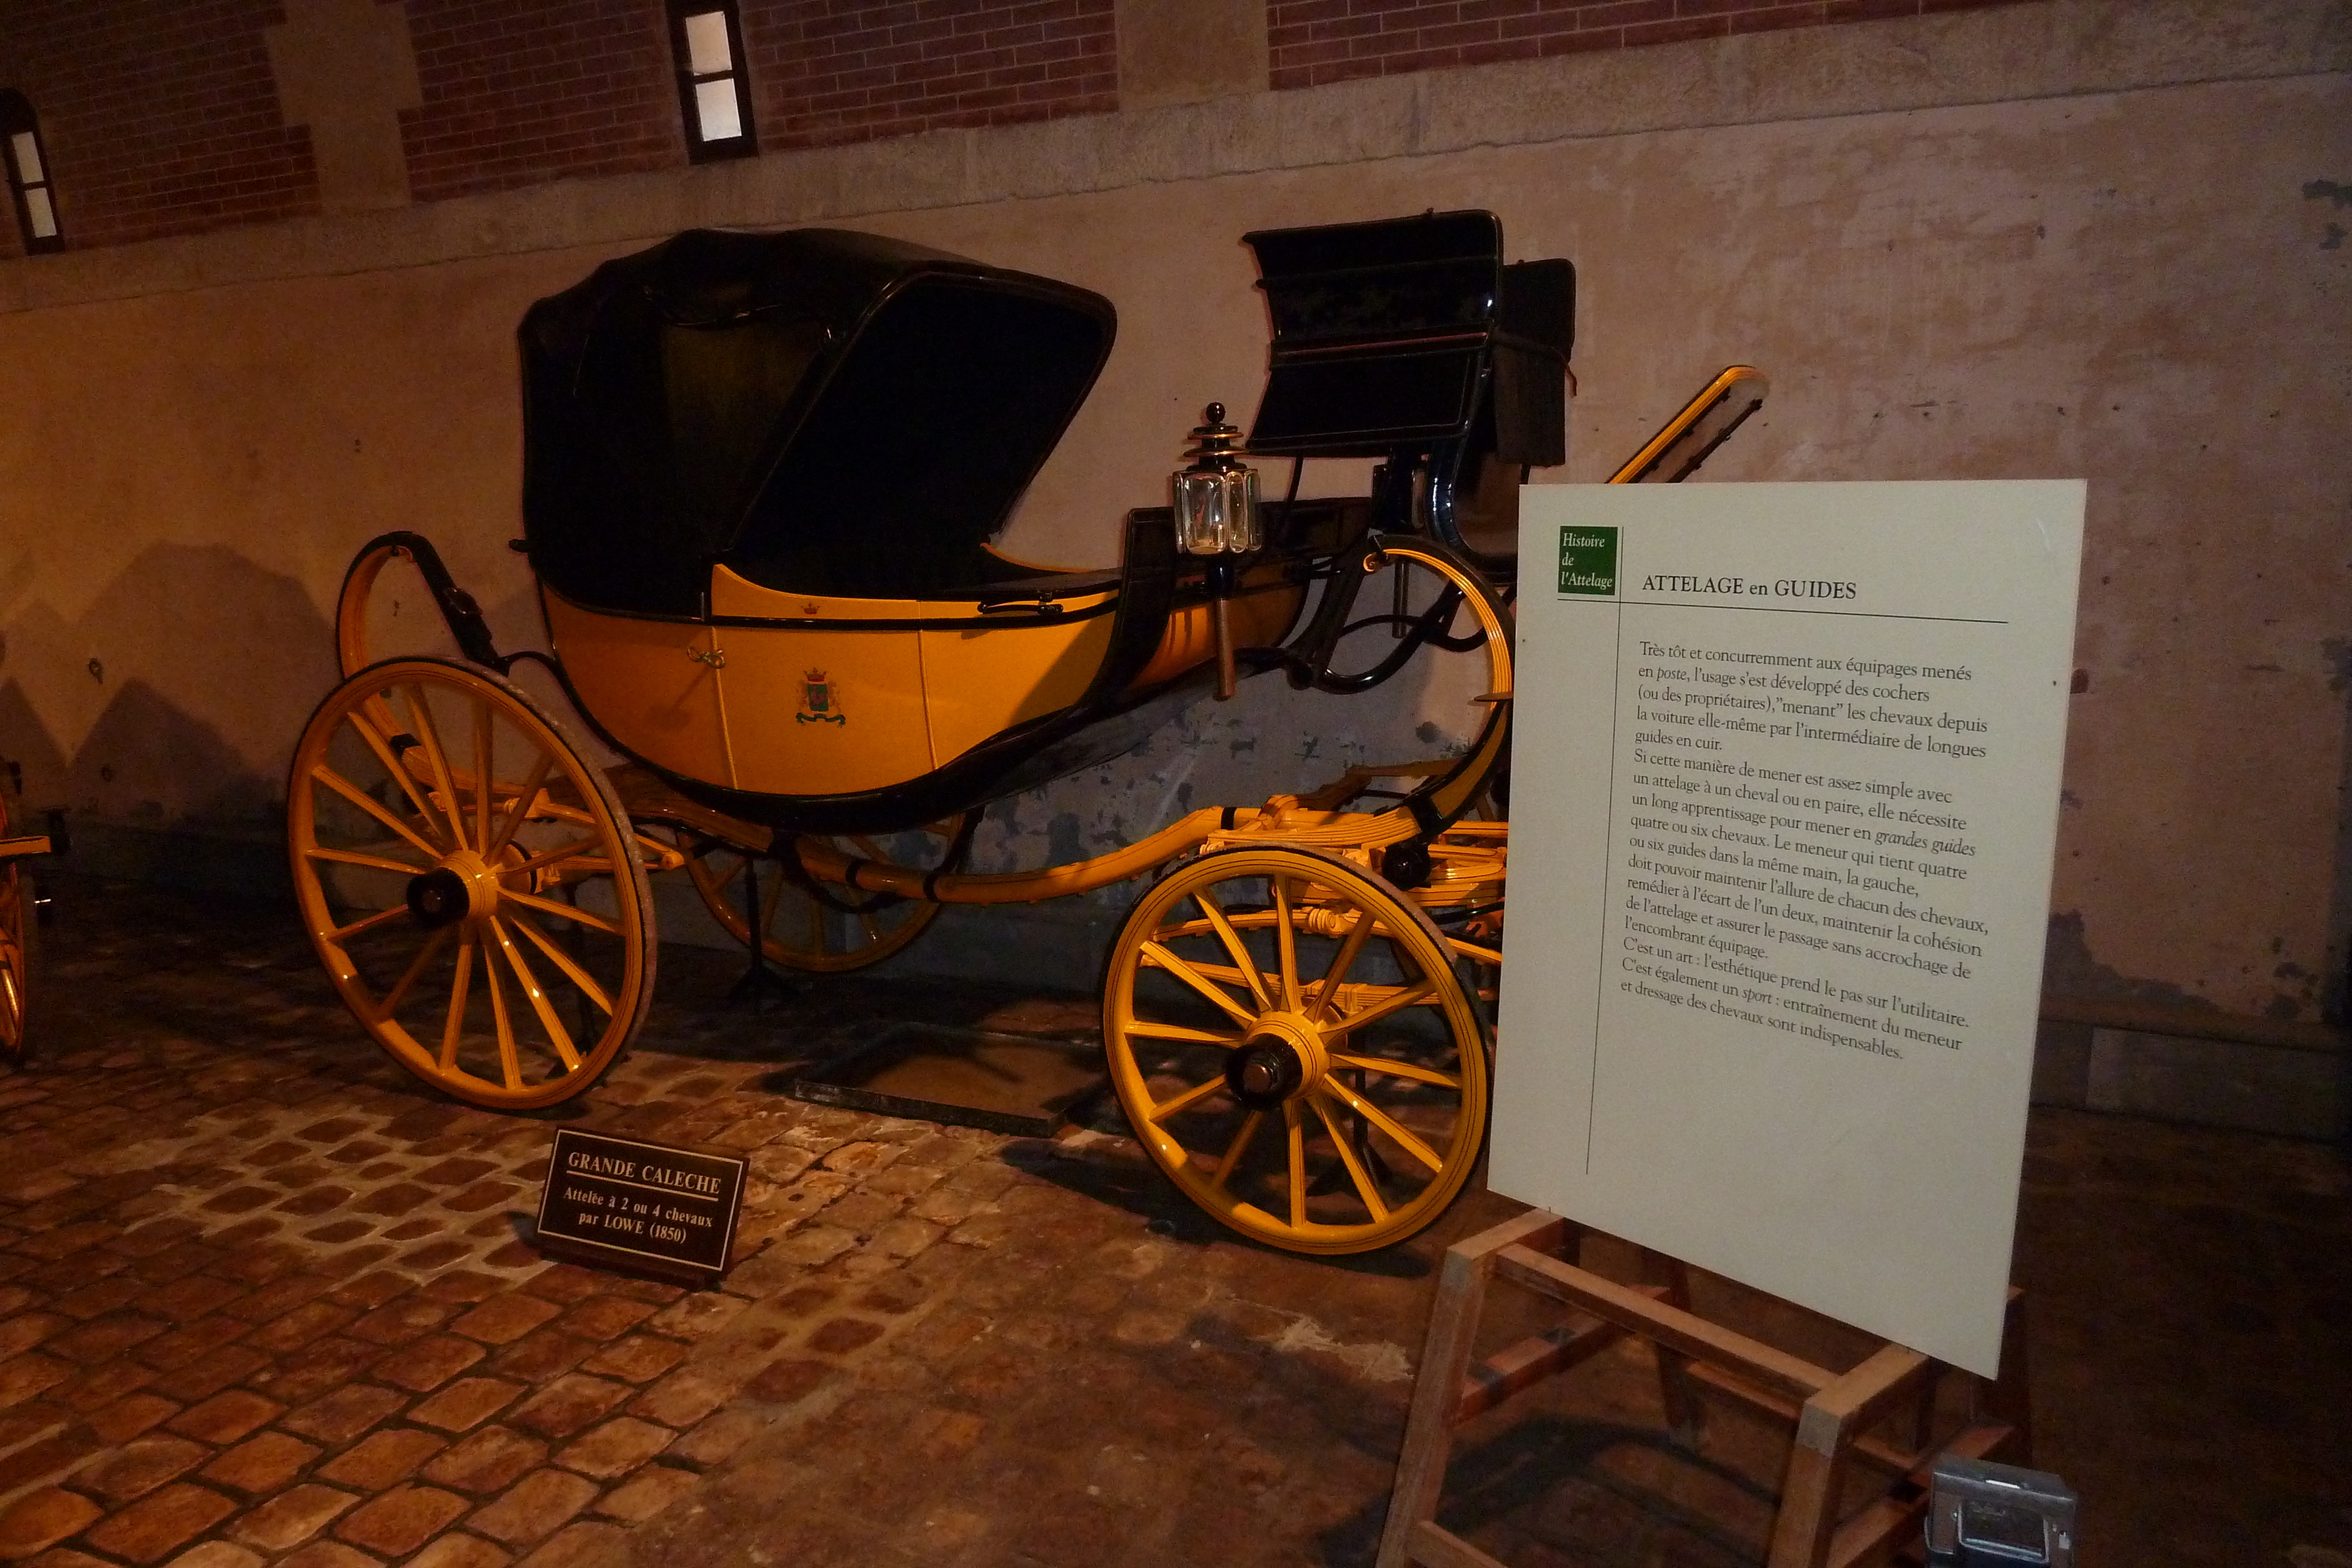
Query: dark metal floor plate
{"points": [[1020, 1084]]}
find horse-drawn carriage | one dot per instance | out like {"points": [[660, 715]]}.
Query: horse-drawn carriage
{"points": [[762, 476]]}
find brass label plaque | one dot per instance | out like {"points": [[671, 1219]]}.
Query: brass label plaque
{"points": [[643, 1204]]}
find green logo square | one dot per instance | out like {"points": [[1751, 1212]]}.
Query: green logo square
{"points": [[1588, 561]]}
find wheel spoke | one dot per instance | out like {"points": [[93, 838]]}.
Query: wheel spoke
{"points": [[1342, 961], [1234, 1150], [509, 1060], [366, 802], [557, 1035], [1472, 950], [381, 918], [1182, 1032], [1403, 996], [373, 862], [453, 1028], [1386, 1123], [1245, 964], [1154, 953], [420, 719], [1365, 1187], [1295, 1125], [381, 746], [521, 809], [1286, 942], [549, 857], [1187, 1100], [1396, 1069], [563, 960], [561, 910], [409, 977]]}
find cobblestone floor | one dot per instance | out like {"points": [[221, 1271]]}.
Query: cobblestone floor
{"points": [[263, 1299]]}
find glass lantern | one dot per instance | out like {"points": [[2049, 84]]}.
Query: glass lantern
{"points": [[1216, 498]]}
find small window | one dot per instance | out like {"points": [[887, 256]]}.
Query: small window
{"points": [[29, 174], [706, 37]]}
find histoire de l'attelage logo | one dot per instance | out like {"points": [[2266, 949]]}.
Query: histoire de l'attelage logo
{"points": [[1588, 561]]}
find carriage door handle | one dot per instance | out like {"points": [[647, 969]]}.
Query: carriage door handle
{"points": [[715, 657]]}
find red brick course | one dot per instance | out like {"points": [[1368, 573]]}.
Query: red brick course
{"points": [[1312, 41], [827, 71]]}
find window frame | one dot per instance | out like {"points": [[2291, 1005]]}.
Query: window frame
{"points": [[700, 149], [17, 119]]}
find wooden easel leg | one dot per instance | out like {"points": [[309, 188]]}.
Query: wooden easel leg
{"points": [[1684, 1411], [1445, 1358], [1808, 1493]]}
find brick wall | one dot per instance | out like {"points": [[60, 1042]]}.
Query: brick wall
{"points": [[517, 92], [1315, 41], [160, 116], [850, 70]]}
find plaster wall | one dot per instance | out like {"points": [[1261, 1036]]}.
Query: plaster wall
{"points": [[2146, 286]]}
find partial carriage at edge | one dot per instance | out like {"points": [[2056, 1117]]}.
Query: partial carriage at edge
{"points": [[763, 473]]}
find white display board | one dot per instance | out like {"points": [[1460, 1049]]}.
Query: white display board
{"points": [[1784, 793]]}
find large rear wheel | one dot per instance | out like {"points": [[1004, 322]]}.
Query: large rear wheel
{"points": [[470, 882], [1291, 1043]]}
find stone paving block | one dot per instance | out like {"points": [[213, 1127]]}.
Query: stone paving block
{"points": [[153, 1526], [534, 1507], [326, 1555], [488, 1461], [403, 1519], [225, 1418], [30, 1373], [190, 1297], [685, 1397], [602, 1318], [787, 1382], [383, 1458], [616, 1447], [97, 1297], [344, 1415], [567, 1283], [262, 1463], [218, 1554], [372, 1290], [428, 1363], [280, 1296], [292, 1517], [27, 1330], [646, 1493], [185, 1343], [400, 1320], [717, 1437], [301, 1325], [465, 1403], [541, 1356], [503, 1319], [209, 1374], [41, 1520], [567, 1405], [323, 1364], [580, 1545], [461, 1552], [139, 1467], [698, 1315], [127, 1418], [46, 1459], [639, 1358]]}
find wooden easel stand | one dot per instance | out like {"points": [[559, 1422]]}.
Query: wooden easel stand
{"points": [[1833, 1413]]}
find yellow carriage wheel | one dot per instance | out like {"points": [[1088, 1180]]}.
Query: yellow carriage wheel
{"points": [[16, 924], [1290, 1042], [801, 930], [470, 882]]}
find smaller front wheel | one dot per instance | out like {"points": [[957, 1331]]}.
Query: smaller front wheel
{"points": [[470, 882], [1291, 1043]]}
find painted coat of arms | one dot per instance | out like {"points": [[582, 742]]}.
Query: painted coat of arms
{"points": [[816, 701]]}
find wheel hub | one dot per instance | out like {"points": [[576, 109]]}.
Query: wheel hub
{"points": [[1278, 1060], [461, 888]]}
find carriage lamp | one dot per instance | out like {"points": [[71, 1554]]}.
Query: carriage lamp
{"points": [[1217, 518], [1216, 498]]}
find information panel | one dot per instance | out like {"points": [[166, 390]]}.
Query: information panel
{"points": [[1784, 797]]}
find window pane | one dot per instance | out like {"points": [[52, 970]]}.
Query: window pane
{"points": [[705, 46], [45, 221], [714, 105], [28, 159]]}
